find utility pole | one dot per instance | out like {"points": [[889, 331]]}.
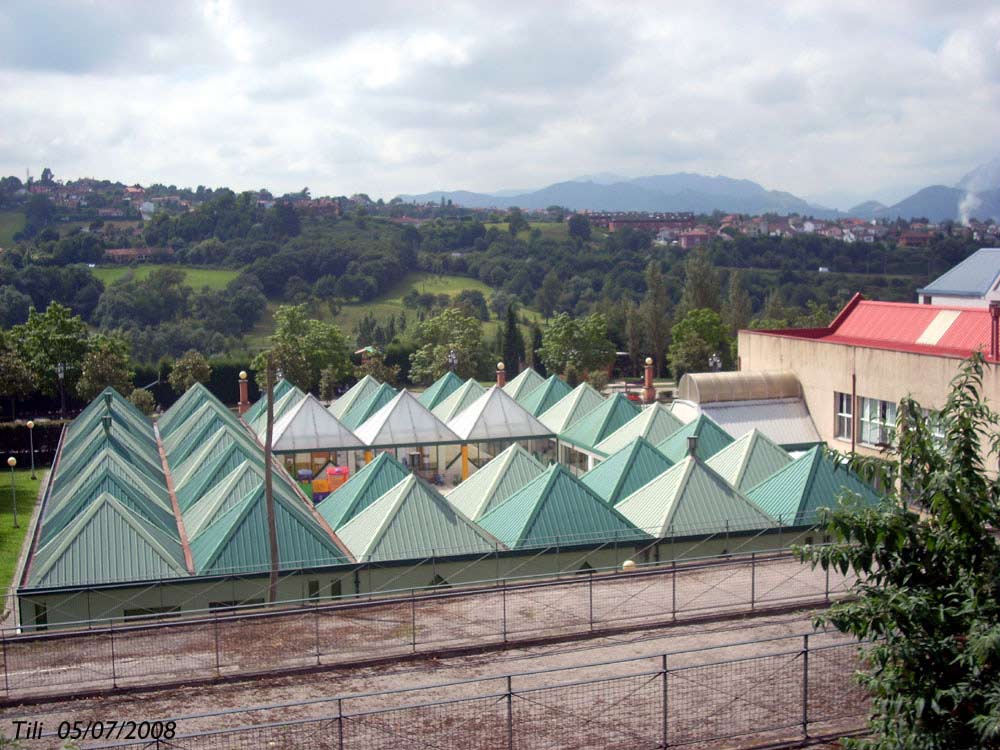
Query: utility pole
{"points": [[272, 529]]}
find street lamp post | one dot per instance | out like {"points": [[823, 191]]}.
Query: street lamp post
{"points": [[31, 442], [61, 373], [12, 462], [715, 362], [452, 359]]}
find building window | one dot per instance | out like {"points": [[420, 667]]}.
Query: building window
{"points": [[878, 422], [42, 616], [313, 589], [845, 416], [335, 588]]}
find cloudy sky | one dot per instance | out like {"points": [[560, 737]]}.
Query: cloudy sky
{"points": [[835, 100]]}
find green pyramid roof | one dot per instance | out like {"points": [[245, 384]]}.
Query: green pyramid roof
{"points": [[592, 428], [190, 401], [749, 461], [440, 389], [497, 480], [689, 498], [362, 489], [556, 508], [525, 382], [545, 396], [711, 439], [362, 409], [794, 493], [621, 474], [357, 393], [576, 404], [235, 487], [460, 398], [107, 543], [412, 521], [237, 540], [654, 423], [256, 411]]}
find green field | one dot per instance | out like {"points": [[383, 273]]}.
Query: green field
{"points": [[196, 278], [11, 538], [550, 229], [11, 222]]}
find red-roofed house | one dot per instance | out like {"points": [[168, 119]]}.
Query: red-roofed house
{"points": [[854, 372]]}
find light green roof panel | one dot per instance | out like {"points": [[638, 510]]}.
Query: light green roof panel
{"points": [[711, 439], [357, 393], [523, 384], [440, 389], [599, 423], [239, 483], [461, 397], [107, 543], [361, 490], [65, 486], [213, 471], [545, 396], [621, 474], [496, 481], [215, 445], [363, 409], [190, 401], [143, 459], [108, 401], [557, 508], [256, 411], [576, 404], [794, 493], [237, 541], [654, 423], [749, 461], [281, 405], [690, 498], [412, 521]]}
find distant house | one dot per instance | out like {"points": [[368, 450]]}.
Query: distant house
{"points": [[915, 239], [137, 254], [694, 238], [975, 282]]}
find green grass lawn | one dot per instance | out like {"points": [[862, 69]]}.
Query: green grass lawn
{"points": [[11, 222], [10, 538], [196, 278], [549, 229]]}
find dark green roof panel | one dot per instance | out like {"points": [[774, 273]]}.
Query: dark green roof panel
{"points": [[622, 473]]}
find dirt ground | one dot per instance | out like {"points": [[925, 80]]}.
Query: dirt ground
{"points": [[416, 682]]}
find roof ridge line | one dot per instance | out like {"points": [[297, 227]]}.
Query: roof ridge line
{"points": [[174, 504]]}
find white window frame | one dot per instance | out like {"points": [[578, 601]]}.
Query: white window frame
{"points": [[877, 422], [843, 418]]}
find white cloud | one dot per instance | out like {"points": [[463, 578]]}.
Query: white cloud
{"points": [[815, 97]]}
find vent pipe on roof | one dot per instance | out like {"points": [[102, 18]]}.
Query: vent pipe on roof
{"points": [[994, 330], [106, 423], [693, 446]]}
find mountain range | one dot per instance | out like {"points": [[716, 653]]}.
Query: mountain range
{"points": [[976, 195]]}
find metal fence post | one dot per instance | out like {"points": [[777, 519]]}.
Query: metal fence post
{"points": [[316, 632], [590, 591], [753, 580], [510, 715], [6, 667], [666, 704], [826, 591], [805, 686], [503, 597], [114, 670], [218, 659], [413, 620], [340, 723], [673, 590]]}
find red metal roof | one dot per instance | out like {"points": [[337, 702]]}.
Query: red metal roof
{"points": [[899, 326]]}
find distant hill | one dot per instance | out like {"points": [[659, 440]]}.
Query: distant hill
{"points": [[682, 191], [976, 195]]}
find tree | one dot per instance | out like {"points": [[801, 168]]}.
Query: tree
{"points": [[701, 284], [47, 176], [13, 307], [143, 401], [534, 360], [473, 303], [655, 314], [634, 335], [516, 221], [512, 352], [434, 338], [190, 368], [927, 600], [15, 375], [581, 344], [738, 308], [695, 338], [50, 340], [579, 227], [303, 347], [548, 294], [375, 365], [105, 365]]}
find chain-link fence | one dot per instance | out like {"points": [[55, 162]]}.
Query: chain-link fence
{"points": [[428, 621], [800, 687]]}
